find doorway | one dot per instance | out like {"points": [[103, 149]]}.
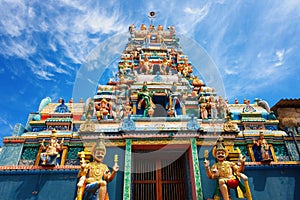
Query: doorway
{"points": [[160, 176]]}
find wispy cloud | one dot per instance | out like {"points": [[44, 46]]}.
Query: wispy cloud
{"points": [[68, 25], [92, 82], [4, 122], [279, 55]]}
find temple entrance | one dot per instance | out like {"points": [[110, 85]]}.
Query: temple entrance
{"points": [[160, 176]]}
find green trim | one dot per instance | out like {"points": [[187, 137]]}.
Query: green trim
{"points": [[127, 171], [197, 176], [70, 144], [32, 144], [58, 120]]}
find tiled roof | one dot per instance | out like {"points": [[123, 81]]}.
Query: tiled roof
{"points": [[286, 103]]}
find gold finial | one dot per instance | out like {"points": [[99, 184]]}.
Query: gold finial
{"points": [[116, 158], [205, 154], [151, 16]]}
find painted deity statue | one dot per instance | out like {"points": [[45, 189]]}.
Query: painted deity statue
{"points": [[175, 104], [145, 66], [52, 151], [226, 173], [222, 108], [164, 66], [203, 111], [94, 176], [102, 109], [145, 97], [264, 147]]}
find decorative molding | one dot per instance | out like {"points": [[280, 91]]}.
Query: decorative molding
{"points": [[159, 142], [212, 142], [27, 169]]}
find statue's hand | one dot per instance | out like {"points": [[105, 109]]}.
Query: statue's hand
{"points": [[206, 163], [216, 172], [116, 167], [83, 164], [42, 143], [81, 181], [243, 158]]}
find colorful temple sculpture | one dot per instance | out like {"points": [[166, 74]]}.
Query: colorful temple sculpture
{"points": [[151, 133]]}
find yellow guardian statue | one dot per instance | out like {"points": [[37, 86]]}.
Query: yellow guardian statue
{"points": [[94, 176], [227, 173]]}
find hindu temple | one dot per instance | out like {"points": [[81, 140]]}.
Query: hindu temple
{"points": [[155, 131]]}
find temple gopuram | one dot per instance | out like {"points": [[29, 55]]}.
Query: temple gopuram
{"points": [[155, 131]]}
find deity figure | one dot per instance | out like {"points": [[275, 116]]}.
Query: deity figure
{"points": [[203, 111], [164, 66], [197, 82], [186, 69], [127, 109], [264, 147], [132, 30], [222, 108], [213, 107], [145, 66], [227, 173], [102, 109], [147, 40], [236, 101], [94, 176], [229, 126], [175, 105], [62, 108], [145, 97], [52, 151]]}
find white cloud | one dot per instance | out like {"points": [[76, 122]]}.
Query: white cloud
{"points": [[67, 25], [230, 70], [194, 15], [42, 74], [5, 123], [91, 81], [280, 54], [12, 17]]}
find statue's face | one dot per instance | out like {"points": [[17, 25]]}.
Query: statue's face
{"points": [[99, 155], [261, 137], [221, 155]]}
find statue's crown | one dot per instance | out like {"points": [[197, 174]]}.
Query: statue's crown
{"points": [[220, 144], [100, 145]]}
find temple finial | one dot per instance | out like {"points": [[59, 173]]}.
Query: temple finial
{"points": [[151, 17]]}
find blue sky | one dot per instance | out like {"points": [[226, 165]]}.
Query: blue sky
{"points": [[254, 45]]}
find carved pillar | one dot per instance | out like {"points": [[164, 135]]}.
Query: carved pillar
{"points": [[127, 171], [196, 169]]}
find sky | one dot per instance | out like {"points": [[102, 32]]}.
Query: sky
{"points": [[44, 47]]}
